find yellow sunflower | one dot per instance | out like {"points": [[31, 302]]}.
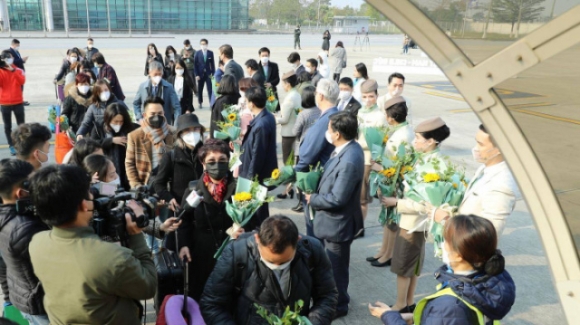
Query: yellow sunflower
{"points": [[385, 139], [217, 84], [275, 174], [243, 196], [455, 185], [431, 177], [232, 117], [389, 172], [406, 169], [271, 98]]}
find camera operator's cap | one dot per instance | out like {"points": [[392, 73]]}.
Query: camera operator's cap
{"points": [[429, 125], [369, 86], [393, 101], [187, 121], [288, 74]]}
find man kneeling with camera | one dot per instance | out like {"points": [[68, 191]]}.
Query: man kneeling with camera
{"points": [[86, 280]]}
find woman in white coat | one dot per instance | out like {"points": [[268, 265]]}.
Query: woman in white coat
{"points": [[401, 133], [337, 61], [323, 67], [287, 119]]}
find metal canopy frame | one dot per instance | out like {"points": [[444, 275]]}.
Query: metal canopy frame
{"points": [[475, 82]]}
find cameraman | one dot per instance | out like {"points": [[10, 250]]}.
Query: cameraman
{"points": [[86, 280], [31, 141], [16, 231]]}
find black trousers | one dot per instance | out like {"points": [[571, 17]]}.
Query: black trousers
{"points": [[297, 42], [207, 82], [339, 256], [336, 77], [7, 119]]}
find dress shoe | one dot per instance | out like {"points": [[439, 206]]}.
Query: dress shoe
{"points": [[298, 208], [360, 233], [408, 309], [372, 259], [379, 264], [26, 103], [284, 195], [339, 314]]}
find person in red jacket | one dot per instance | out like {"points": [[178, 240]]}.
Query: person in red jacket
{"points": [[11, 81]]}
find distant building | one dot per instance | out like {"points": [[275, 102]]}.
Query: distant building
{"points": [[350, 24], [165, 15]]}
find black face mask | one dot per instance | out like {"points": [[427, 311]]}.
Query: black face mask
{"points": [[156, 121], [217, 170]]}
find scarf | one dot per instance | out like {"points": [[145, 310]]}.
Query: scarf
{"points": [[219, 189], [157, 137]]}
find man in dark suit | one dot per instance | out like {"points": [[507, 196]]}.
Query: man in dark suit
{"points": [[90, 50], [19, 61], [337, 203], [259, 147], [230, 66], [294, 60], [270, 71], [254, 71], [204, 69], [347, 103], [314, 149]]}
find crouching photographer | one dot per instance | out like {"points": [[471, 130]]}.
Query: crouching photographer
{"points": [[17, 228], [86, 280]]}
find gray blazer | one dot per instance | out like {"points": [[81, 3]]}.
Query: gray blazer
{"points": [[337, 203], [234, 69], [337, 59], [172, 107]]}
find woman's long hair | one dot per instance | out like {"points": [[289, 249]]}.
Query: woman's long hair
{"points": [[186, 75], [117, 109]]}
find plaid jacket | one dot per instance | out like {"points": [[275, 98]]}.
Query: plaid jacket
{"points": [[140, 156]]}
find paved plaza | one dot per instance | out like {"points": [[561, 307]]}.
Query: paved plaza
{"points": [[430, 95]]}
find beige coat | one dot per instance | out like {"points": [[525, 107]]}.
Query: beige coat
{"points": [[337, 59]]}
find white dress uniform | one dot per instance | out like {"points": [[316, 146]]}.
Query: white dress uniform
{"points": [[491, 194]]}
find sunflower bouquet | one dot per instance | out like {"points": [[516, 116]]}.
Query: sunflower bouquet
{"points": [[308, 182], [390, 179], [249, 197], [376, 138], [288, 318], [272, 101], [298, 110], [230, 129], [214, 84], [283, 175], [438, 182]]}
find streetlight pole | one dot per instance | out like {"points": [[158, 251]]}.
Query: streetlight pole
{"points": [[43, 19], [519, 18], [109, 18], [65, 14], [553, 6], [149, 11], [487, 18], [88, 19], [129, 15], [318, 22], [465, 17]]}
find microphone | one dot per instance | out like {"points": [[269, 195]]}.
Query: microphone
{"points": [[191, 202]]}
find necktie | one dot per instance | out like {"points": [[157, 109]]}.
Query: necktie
{"points": [[204, 56], [154, 91]]}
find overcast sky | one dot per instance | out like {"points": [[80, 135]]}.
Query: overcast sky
{"points": [[344, 3]]}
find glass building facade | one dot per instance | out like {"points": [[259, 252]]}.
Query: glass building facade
{"points": [[137, 15]]}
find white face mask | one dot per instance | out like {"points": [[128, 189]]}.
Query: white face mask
{"points": [[476, 153], [191, 138], [115, 127], [243, 94], [172, 55], [83, 89], [275, 267], [204, 47], [42, 163], [328, 137], [156, 80], [17, 48], [116, 182], [397, 92], [179, 72], [72, 59], [89, 46], [104, 96], [307, 69], [344, 94], [265, 60], [9, 61]]}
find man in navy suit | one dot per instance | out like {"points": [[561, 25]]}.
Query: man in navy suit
{"points": [[314, 148], [337, 203], [259, 147], [204, 68], [19, 61]]}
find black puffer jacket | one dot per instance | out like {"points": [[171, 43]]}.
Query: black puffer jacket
{"points": [[16, 232], [75, 106], [311, 277]]}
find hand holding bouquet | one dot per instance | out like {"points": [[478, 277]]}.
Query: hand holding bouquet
{"points": [[308, 182], [230, 129], [283, 175], [376, 138], [249, 197], [272, 102]]}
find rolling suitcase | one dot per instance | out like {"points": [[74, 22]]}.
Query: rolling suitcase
{"points": [[170, 275]]}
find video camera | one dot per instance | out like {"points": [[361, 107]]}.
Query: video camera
{"points": [[110, 208]]}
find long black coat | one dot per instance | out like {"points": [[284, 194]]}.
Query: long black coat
{"points": [[203, 231], [178, 173], [259, 147], [217, 108], [310, 278], [75, 106], [187, 100], [117, 153], [157, 58]]}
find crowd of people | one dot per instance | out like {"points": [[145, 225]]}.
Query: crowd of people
{"points": [[57, 270]]}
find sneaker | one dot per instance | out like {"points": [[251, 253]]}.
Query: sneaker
{"points": [[26, 103], [12, 151]]}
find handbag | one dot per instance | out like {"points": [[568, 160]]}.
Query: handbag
{"points": [[343, 64]]}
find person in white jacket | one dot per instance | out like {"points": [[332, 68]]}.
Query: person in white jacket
{"points": [[492, 192], [369, 115], [323, 67], [288, 111], [402, 133], [360, 75]]}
